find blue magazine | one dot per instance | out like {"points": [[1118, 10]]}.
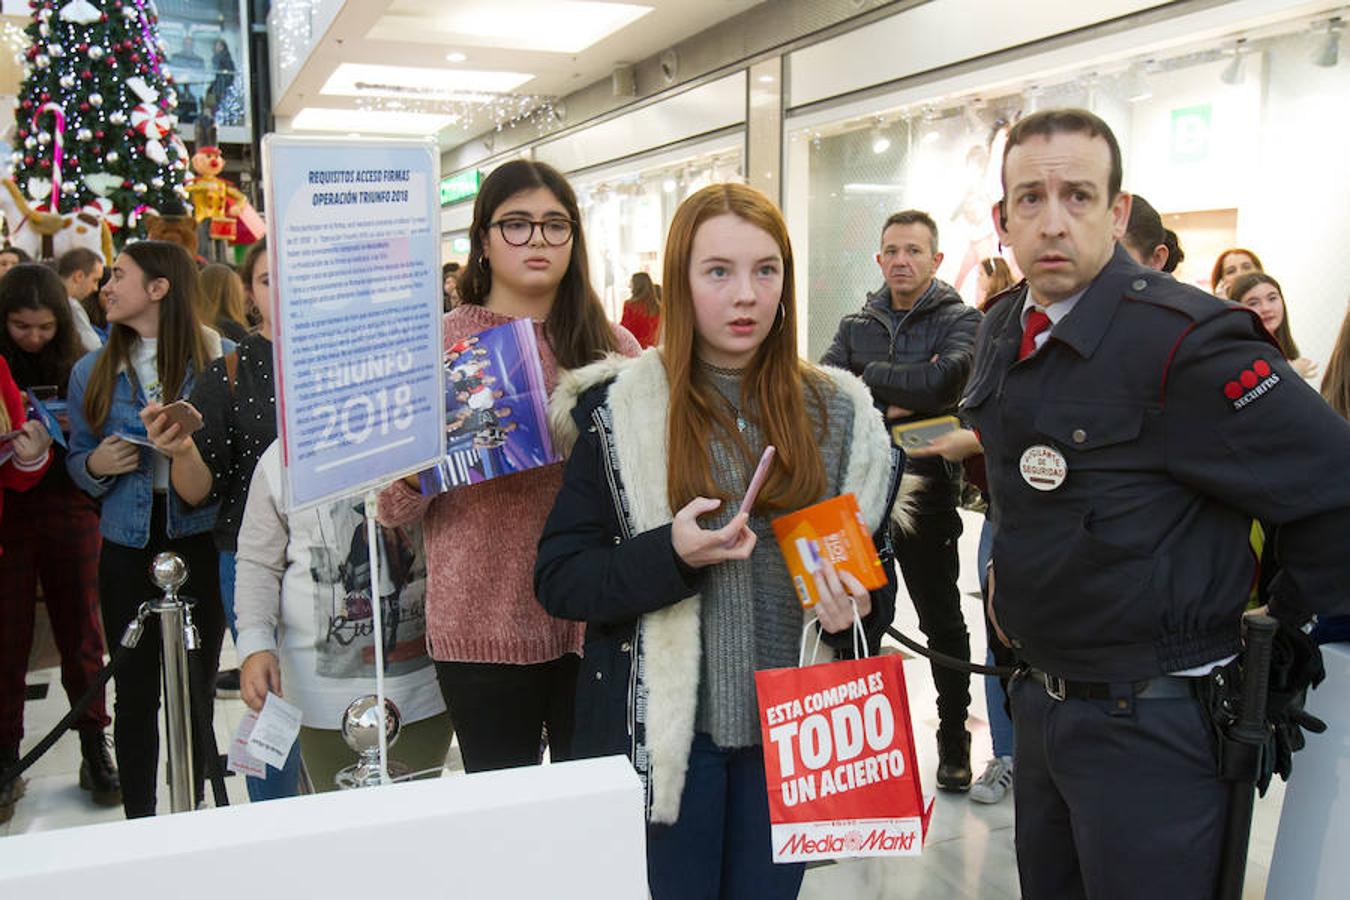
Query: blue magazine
{"points": [[496, 409]]}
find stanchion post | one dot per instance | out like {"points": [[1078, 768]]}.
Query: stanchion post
{"points": [[377, 622], [176, 632]]}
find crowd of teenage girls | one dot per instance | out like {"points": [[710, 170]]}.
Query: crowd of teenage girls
{"points": [[629, 557]]}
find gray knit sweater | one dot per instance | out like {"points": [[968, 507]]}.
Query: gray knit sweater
{"points": [[750, 618]]}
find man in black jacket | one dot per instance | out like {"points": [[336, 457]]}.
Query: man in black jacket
{"points": [[912, 343]]}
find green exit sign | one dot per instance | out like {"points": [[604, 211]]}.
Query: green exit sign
{"points": [[460, 187]]}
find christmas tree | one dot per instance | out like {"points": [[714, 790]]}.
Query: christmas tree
{"points": [[95, 124]]}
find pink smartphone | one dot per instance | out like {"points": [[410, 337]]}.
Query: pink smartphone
{"points": [[757, 480]]}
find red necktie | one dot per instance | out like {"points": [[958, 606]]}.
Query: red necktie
{"points": [[1037, 322]]}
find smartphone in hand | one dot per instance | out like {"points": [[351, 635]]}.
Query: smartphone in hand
{"points": [[184, 415], [757, 480], [913, 435]]}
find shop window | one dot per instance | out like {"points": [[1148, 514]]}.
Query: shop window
{"points": [[1235, 141]]}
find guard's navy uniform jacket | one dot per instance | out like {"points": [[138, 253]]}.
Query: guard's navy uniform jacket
{"points": [[1178, 422]]}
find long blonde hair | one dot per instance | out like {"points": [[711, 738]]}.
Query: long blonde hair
{"points": [[221, 296], [775, 382]]}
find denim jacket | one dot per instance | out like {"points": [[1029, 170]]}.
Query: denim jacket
{"points": [[128, 499]]}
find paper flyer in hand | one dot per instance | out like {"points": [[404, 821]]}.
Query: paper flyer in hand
{"points": [[496, 419], [7, 444], [50, 414], [833, 530]]}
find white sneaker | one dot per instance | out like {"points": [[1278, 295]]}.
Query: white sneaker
{"points": [[994, 784]]}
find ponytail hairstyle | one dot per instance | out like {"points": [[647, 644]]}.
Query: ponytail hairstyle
{"points": [[182, 346], [576, 327], [775, 384]]}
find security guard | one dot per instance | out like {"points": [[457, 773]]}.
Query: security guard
{"points": [[1132, 427]]}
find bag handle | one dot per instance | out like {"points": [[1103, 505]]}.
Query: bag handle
{"points": [[859, 638]]}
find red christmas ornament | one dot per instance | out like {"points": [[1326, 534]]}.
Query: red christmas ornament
{"points": [[28, 160], [82, 47], [86, 75], [103, 18], [126, 184], [135, 57], [84, 107], [98, 135], [44, 97], [45, 164], [27, 104]]}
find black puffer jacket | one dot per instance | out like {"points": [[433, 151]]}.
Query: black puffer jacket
{"points": [[897, 364]]}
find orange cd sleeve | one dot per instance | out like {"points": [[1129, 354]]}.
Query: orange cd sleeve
{"points": [[832, 530]]}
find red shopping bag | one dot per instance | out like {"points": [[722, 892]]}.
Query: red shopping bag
{"points": [[839, 761]]}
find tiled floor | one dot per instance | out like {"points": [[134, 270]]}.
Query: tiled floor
{"points": [[969, 854]]}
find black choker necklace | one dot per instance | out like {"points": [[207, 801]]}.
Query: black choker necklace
{"points": [[719, 370]]}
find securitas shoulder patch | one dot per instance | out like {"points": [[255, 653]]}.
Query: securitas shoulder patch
{"points": [[1251, 384]]}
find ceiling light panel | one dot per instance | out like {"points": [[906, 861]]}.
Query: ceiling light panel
{"points": [[362, 80], [369, 121], [554, 26]]}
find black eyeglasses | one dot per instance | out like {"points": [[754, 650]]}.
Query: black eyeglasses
{"points": [[519, 232]]}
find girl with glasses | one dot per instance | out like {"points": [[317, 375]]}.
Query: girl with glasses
{"points": [[506, 668]]}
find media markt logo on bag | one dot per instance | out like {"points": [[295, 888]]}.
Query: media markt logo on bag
{"points": [[1251, 384], [829, 840]]}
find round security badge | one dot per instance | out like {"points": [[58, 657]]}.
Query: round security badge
{"points": [[1044, 468]]}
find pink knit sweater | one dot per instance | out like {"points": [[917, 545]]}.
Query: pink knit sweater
{"points": [[481, 540]]}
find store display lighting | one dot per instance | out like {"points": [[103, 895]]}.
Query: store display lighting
{"points": [[669, 185], [1233, 72], [455, 56], [552, 26], [364, 80], [880, 143], [379, 121], [1329, 53]]}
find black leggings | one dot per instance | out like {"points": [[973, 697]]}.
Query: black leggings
{"points": [[500, 710], [124, 584]]}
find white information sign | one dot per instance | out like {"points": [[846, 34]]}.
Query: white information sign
{"points": [[354, 247]]}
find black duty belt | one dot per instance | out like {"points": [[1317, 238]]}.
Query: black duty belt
{"points": [[1164, 687]]}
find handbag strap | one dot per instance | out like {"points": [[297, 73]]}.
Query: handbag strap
{"points": [[231, 369]]}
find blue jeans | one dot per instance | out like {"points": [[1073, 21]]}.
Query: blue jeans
{"points": [[1000, 724], [721, 845], [227, 591], [283, 782]]}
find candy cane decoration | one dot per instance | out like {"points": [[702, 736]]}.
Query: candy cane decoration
{"points": [[58, 148]]}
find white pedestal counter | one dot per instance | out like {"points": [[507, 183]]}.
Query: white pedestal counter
{"points": [[565, 830]]}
